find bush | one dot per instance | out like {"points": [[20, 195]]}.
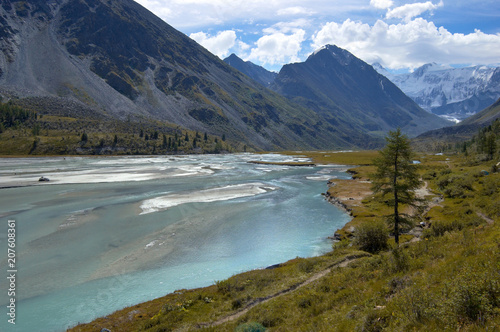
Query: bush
{"points": [[250, 327], [455, 186], [417, 304], [375, 321], [400, 261], [372, 236], [223, 286], [475, 294]]}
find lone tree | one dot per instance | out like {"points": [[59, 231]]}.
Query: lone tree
{"points": [[396, 178]]}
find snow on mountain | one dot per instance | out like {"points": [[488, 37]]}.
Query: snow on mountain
{"points": [[452, 93]]}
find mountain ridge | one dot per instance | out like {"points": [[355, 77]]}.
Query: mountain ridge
{"points": [[345, 89], [453, 93], [120, 60], [256, 72]]}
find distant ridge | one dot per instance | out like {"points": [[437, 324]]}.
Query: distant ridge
{"points": [[453, 93], [467, 128], [258, 73], [116, 60]]}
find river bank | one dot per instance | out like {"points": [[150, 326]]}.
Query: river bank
{"points": [[257, 283]]}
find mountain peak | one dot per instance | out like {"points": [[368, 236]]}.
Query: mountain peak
{"points": [[341, 55], [256, 72], [233, 57], [350, 94]]}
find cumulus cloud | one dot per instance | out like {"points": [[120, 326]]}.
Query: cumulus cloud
{"points": [[382, 4], [411, 10], [278, 48], [219, 44], [409, 44]]}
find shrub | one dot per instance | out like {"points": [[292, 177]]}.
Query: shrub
{"points": [[455, 186], [418, 305], [306, 266], [400, 261], [375, 321], [250, 327], [475, 294], [223, 286], [372, 236]]}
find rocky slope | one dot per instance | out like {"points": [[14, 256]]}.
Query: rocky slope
{"points": [[118, 60]]}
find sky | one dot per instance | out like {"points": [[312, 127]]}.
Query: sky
{"points": [[400, 35]]}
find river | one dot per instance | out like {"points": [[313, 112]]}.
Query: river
{"points": [[109, 232]]}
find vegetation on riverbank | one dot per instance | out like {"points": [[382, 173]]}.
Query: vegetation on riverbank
{"points": [[26, 132], [444, 276]]}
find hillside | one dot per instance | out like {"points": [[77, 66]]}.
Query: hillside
{"points": [[352, 96], [460, 132], [484, 117], [119, 61]]}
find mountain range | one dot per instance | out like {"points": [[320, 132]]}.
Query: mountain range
{"points": [[115, 59], [453, 93]]}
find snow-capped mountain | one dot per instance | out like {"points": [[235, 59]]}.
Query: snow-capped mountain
{"points": [[452, 93]]}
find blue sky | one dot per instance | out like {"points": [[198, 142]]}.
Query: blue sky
{"points": [[398, 34]]}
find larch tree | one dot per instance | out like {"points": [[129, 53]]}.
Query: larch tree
{"points": [[396, 179]]}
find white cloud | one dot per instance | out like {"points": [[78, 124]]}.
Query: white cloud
{"points": [[409, 11], [288, 27], [278, 48], [410, 44], [381, 4], [219, 45], [195, 15], [290, 11]]}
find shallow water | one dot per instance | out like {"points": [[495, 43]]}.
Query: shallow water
{"points": [[106, 233]]}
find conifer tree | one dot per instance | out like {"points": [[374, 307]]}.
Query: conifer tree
{"points": [[396, 178]]}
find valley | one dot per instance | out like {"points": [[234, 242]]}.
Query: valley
{"points": [[227, 166]]}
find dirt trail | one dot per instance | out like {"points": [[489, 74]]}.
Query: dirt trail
{"points": [[343, 263], [485, 218]]}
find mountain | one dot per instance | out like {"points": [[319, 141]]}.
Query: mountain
{"points": [[453, 93], [116, 60], [352, 96], [258, 73], [484, 117], [465, 129]]}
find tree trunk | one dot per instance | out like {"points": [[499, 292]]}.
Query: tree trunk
{"points": [[396, 202]]}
